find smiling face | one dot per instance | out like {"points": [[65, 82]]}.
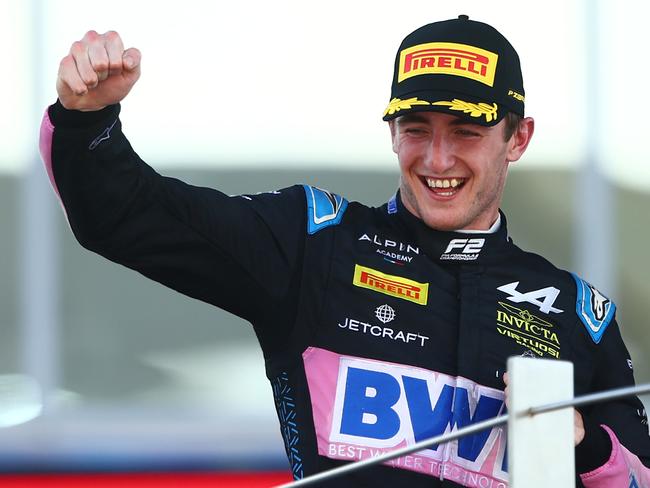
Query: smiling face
{"points": [[453, 171]]}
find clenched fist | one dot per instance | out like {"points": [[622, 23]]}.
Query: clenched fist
{"points": [[98, 72]]}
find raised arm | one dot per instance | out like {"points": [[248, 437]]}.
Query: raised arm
{"points": [[241, 253]]}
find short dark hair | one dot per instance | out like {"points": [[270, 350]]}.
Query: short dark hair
{"points": [[512, 124]]}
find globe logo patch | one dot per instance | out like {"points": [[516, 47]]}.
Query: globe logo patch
{"points": [[385, 313]]}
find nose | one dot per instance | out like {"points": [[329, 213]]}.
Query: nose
{"points": [[439, 157]]}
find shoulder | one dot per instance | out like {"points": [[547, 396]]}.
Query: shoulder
{"points": [[316, 207], [540, 269], [324, 208], [283, 200], [328, 209], [283, 209], [594, 309], [576, 296]]}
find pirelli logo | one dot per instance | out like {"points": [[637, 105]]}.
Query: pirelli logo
{"points": [[395, 286], [448, 58]]}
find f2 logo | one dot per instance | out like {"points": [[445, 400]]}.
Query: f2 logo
{"points": [[468, 246], [549, 294]]}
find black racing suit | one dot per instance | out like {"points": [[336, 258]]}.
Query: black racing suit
{"points": [[377, 331]]}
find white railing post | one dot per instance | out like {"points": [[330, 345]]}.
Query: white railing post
{"points": [[540, 447]]}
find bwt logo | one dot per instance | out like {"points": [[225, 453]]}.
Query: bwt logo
{"points": [[384, 405]]}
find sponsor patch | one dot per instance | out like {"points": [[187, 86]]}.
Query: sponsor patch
{"points": [[527, 330], [391, 285], [363, 408], [463, 250], [383, 333], [323, 208], [516, 96], [104, 136], [594, 309], [393, 251], [390, 244], [448, 58], [549, 294], [385, 313]]}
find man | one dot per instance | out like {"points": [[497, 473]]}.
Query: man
{"points": [[391, 324]]}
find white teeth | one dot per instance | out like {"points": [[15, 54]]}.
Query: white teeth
{"points": [[443, 183]]}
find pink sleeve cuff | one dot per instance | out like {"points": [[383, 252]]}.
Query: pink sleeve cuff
{"points": [[622, 469], [45, 147]]}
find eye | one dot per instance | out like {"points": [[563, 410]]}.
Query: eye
{"points": [[414, 131], [467, 132]]}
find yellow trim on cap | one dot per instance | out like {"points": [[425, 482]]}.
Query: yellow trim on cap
{"points": [[473, 109], [397, 104]]}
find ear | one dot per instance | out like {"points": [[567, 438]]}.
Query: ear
{"points": [[520, 139], [393, 134]]}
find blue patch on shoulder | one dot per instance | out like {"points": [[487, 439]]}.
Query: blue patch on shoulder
{"points": [[392, 205], [594, 309], [323, 208]]}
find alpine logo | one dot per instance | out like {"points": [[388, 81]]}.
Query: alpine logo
{"points": [[390, 244], [463, 250], [393, 251], [549, 294]]}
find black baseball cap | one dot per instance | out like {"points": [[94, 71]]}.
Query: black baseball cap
{"points": [[458, 66]]}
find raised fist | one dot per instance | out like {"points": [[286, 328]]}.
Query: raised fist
{"points": [[97, 72]]}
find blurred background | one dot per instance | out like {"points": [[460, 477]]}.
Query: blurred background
{"points": [[254, 95]]}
